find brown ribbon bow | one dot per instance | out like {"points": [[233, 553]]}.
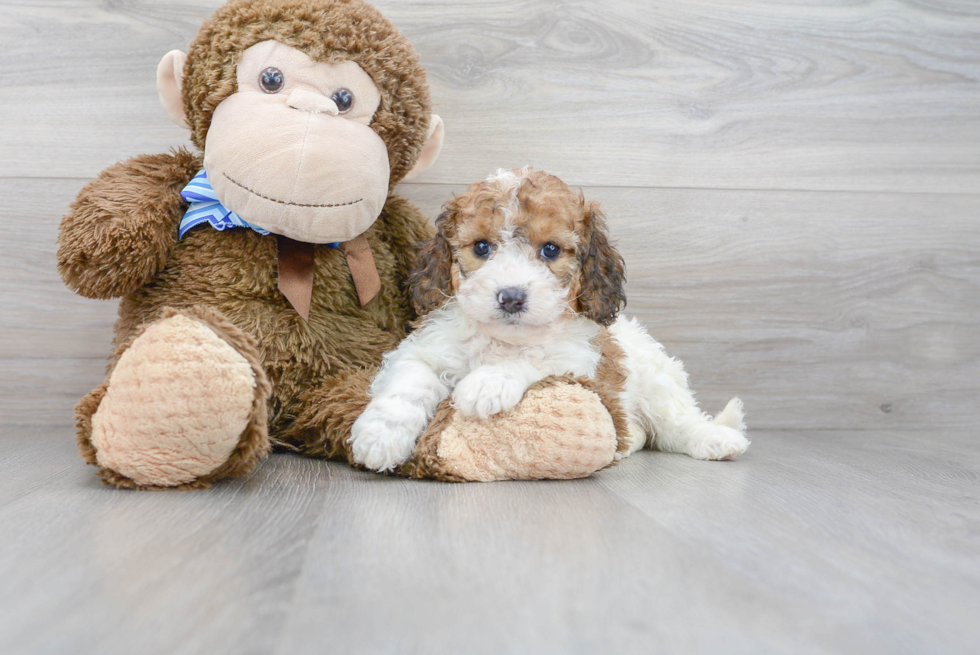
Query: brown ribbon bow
{"points": [[296, 268]]}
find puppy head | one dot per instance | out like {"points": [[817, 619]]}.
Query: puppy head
{"points": [[520, 249]]}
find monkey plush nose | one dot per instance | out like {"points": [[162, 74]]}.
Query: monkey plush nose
{"points": [[313, 102], [512, 300]]}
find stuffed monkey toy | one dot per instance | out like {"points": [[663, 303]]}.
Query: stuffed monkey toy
{"points": [[262, 280]]}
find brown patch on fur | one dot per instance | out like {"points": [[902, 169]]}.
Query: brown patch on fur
{"points": [[609, 383], [329, 31], [253, 444], [432, 281], [481, 223], [547, 204], [551, 213], [602, 293]]}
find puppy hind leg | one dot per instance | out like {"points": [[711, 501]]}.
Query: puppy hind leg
{"points": [[669, 411], [638, 437], [698, 435], [712, 439]]}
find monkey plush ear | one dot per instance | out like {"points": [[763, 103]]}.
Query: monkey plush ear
{"points": [[602, 294], [170, 82], [432, 280], [433, 144]]}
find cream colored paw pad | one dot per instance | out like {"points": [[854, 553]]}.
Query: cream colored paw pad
{"points": [[177, 403], [561, 431]]}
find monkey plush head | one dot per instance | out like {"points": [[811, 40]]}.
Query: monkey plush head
{"points": [[308, 112]]}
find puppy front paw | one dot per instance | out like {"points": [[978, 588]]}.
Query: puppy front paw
{"points": [[717, 442], [487, 391], [380, 443]]}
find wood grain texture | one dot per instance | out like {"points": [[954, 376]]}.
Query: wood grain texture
{"points": [[821, 310], [808, 544], [677, 93], [86, 569]]}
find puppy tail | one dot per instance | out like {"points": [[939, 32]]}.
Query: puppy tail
{"points": [[733, 415]]}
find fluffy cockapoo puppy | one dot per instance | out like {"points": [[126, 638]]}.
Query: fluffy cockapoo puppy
{"points": [[534, 289]]}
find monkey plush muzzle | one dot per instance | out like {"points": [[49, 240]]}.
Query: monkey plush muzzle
{"points": [[292, 151]]}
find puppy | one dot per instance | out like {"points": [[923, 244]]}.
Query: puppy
{"points": [[519, 281]]}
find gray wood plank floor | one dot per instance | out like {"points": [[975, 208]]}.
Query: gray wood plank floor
{"points": [[796, 190], [813, 542]]}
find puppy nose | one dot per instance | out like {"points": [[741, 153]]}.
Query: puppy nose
{"points": [[512, 299]]}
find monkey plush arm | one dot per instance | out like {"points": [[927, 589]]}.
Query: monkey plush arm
{"points": [[124, 223]]}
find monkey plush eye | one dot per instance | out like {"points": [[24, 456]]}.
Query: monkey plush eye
{"points": [[344, 99], [272, 80], [481, 248], [550, 251]]}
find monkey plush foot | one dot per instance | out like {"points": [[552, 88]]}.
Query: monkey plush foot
{"points": [[184, 405], [560, 430]]}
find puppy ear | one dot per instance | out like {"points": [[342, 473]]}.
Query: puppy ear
{"points": [[601, 292], [432, 280]]}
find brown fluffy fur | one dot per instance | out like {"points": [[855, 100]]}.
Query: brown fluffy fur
{"points": [[431, 279], [234, 273], [120, 237], [602, 294], [330, 409], [608, 384], [101, 256]]}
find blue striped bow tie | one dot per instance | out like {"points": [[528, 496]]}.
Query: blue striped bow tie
{"points": [[205, 208]]}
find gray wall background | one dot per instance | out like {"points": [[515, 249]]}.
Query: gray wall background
{"points": [[795, 187]]}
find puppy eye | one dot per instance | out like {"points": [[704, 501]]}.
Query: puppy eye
{"points": [[344, 100], [272, 80], [550, 251], [481, 248]]}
